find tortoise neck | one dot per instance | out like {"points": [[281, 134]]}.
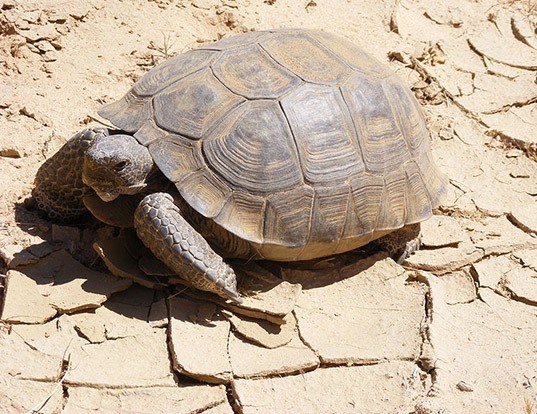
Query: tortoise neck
{"points": [[157, 182]]}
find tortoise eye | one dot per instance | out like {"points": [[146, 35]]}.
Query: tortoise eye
{"points": [[120, 165]]}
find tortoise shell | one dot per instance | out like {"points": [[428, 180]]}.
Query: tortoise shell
{"points": [[296, 141]]}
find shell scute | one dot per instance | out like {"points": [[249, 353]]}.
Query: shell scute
{"points": [[193, 104], [251, 73]]}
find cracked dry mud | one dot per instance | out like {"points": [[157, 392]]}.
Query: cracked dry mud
{"points": [[452, 330]]}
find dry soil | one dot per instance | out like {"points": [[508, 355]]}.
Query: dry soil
{"points": [[451, 331]]}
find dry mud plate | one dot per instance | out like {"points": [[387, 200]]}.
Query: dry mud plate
{"points": [[452, 330]]}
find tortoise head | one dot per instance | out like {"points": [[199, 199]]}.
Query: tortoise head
{"points": [[115, 165]]}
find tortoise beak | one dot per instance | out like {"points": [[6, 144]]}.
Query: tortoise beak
{"points": [[109, 195], [105, 193]]}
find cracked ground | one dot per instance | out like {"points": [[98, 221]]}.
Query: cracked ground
{"points": [[452, 330]]}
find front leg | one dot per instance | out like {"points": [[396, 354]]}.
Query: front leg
{"points": [[58, 187], [176, 243]]}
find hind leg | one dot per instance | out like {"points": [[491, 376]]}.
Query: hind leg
{"points": [[401, 243]]}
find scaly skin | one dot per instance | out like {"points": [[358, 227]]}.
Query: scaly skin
{"points": [[58, 187], [401, 243], [174, 241]]}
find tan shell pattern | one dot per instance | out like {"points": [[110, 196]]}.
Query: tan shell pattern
{"points": [[294, 140]]}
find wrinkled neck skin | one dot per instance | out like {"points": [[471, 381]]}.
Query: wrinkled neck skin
{"points": [[117, 164], [157, 182]]}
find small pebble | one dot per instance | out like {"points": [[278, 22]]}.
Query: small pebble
{"points": [[464, 387]]}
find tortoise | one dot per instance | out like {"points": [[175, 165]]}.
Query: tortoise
{"points": [[284, 145]]}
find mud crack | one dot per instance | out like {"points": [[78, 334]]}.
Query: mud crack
{"points": [[476, 50], [505, 108], [422, 71]]}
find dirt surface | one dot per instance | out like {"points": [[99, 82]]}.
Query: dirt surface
{"points": [[451, 331]]}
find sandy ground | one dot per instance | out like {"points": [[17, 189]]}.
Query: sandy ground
{"points": [[453, 331]]}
